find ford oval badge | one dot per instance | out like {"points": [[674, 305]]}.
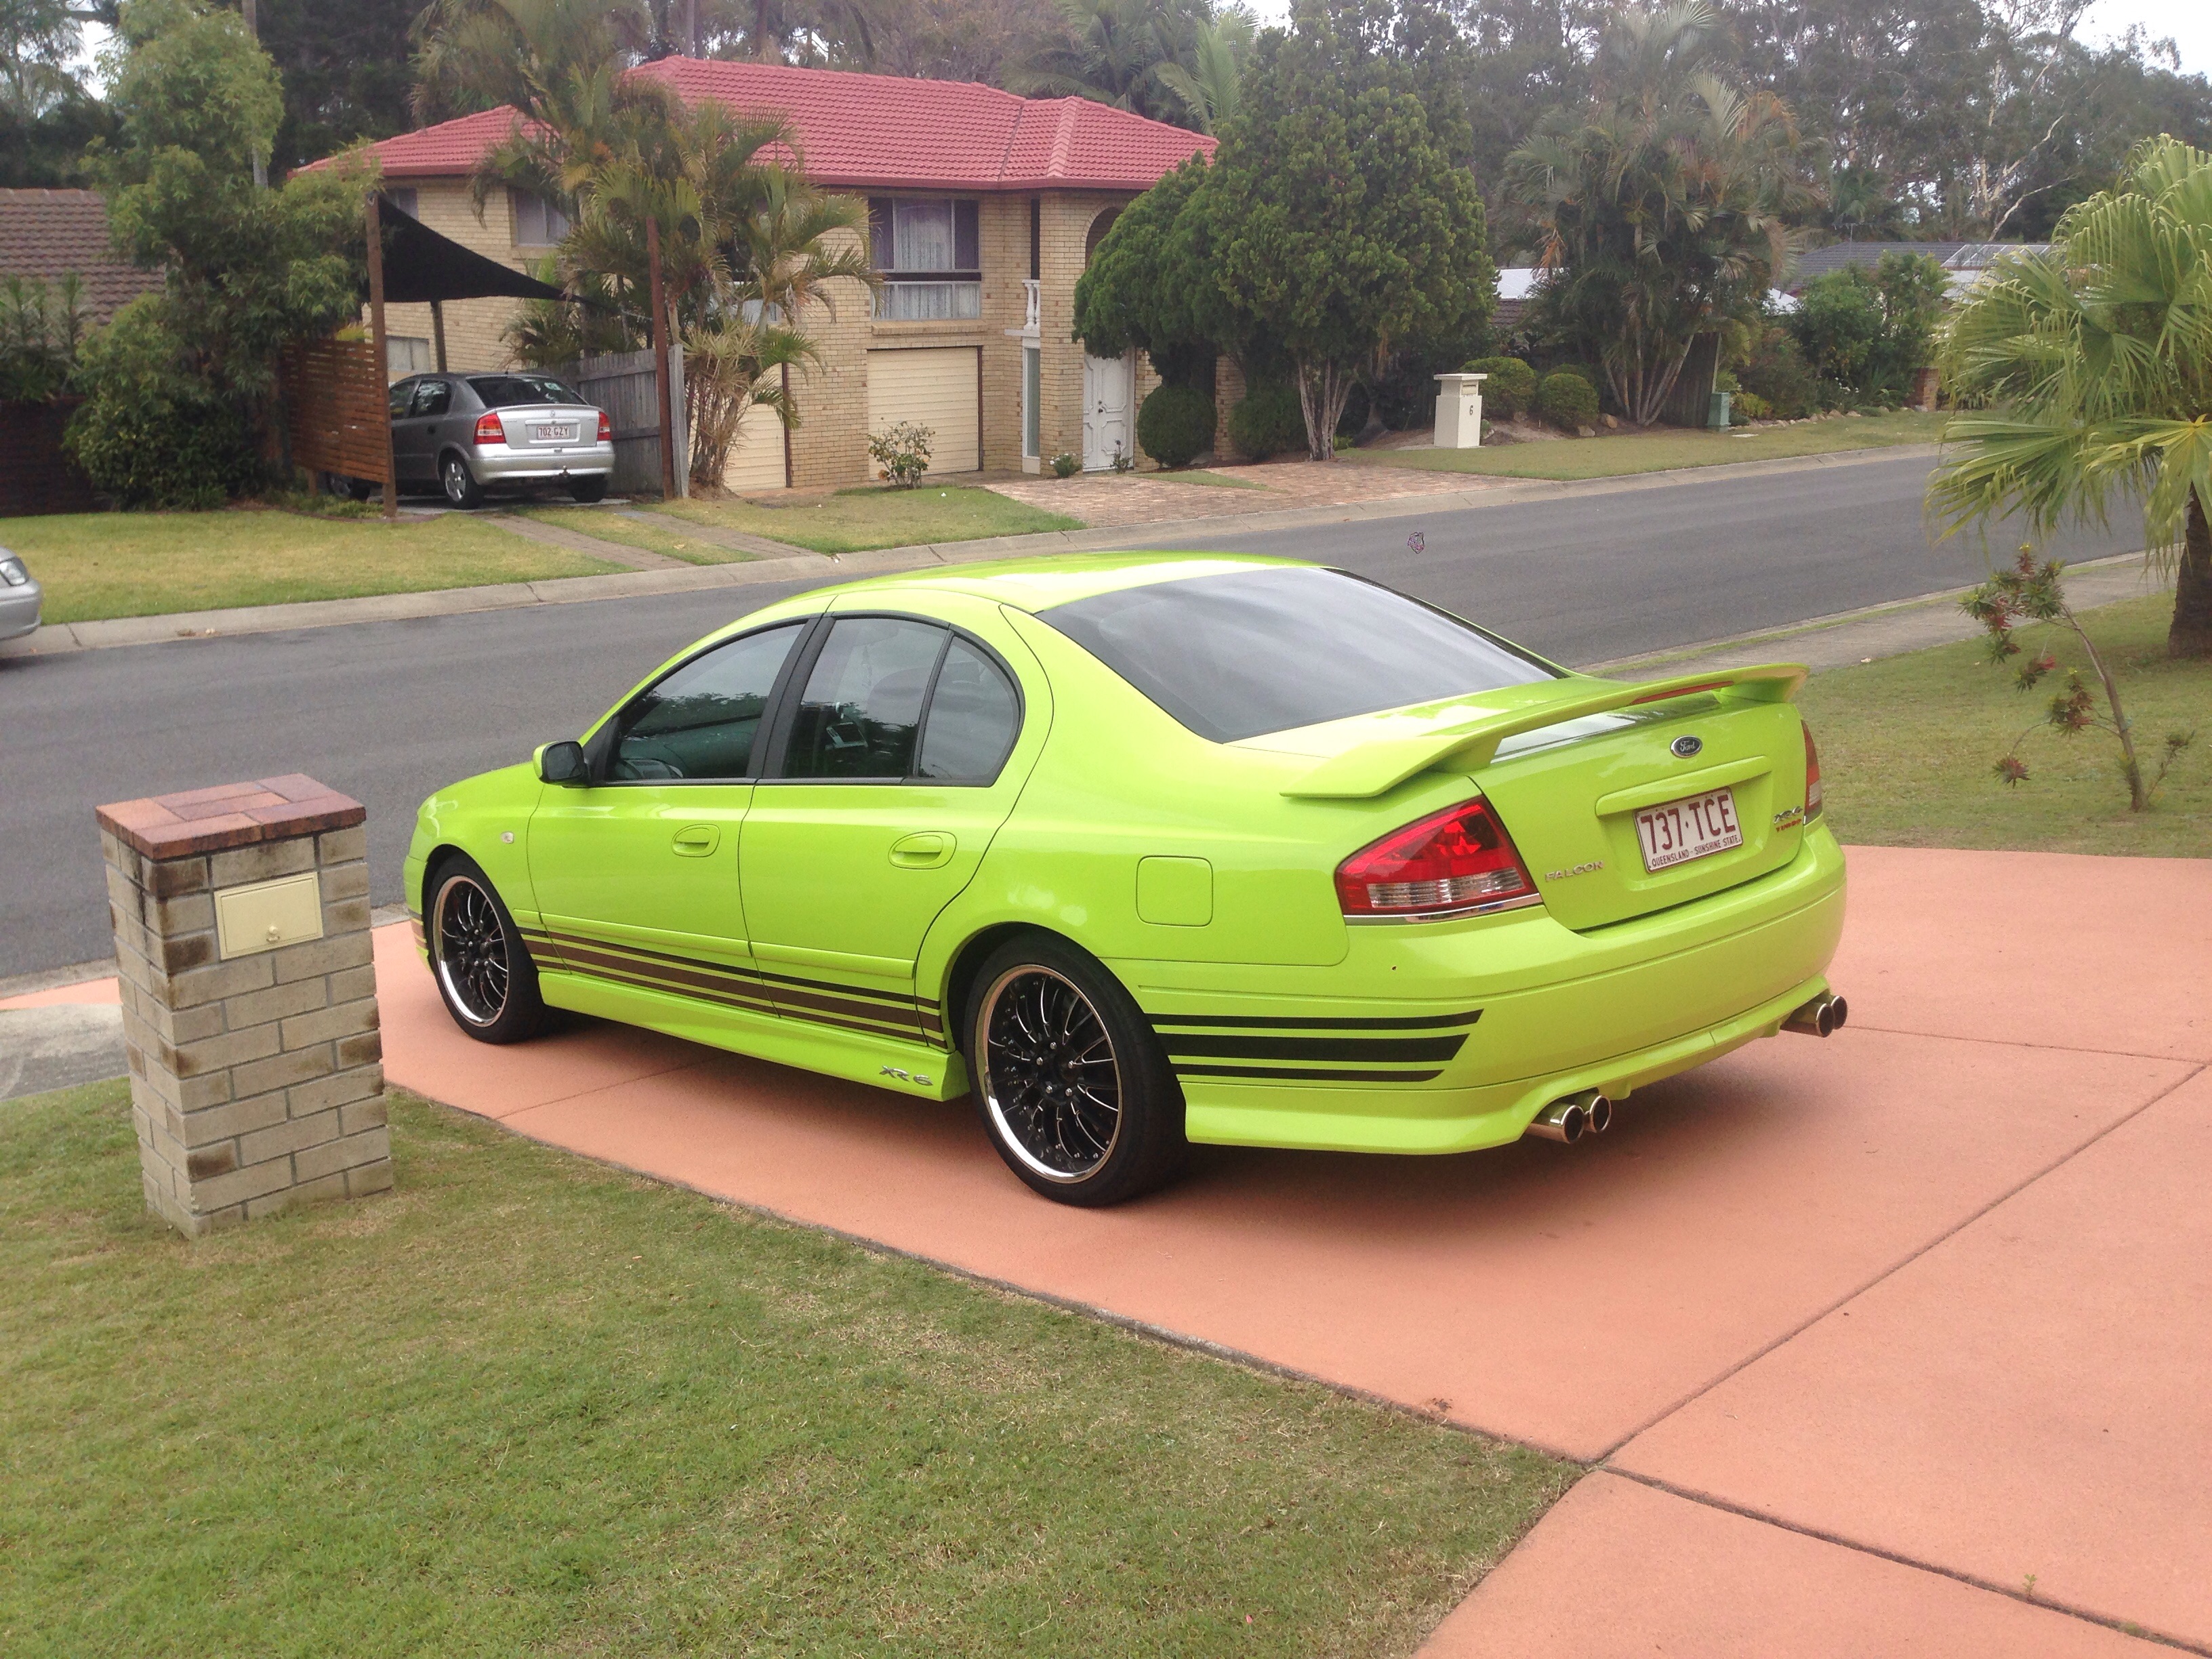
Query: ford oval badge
{"points": [[1686, 745]]}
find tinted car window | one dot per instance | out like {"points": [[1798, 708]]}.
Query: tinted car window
{"points": [[1253, 651], [401, 395], [974, 716], [700, 722], [862, 705], [432, 398], [505, 391]]}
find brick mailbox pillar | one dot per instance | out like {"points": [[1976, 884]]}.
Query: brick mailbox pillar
{"points": [[249, 998]]}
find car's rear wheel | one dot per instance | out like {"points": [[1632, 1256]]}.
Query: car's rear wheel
{"points": [[587, 490], [484, 974], [1073, 1088], [460, 484]]}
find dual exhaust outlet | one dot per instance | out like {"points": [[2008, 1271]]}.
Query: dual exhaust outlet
{"points": [[1571, 1117]]}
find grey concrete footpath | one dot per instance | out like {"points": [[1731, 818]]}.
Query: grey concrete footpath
{"points": [[58, 1048], [1884, 631], [814, 567]]}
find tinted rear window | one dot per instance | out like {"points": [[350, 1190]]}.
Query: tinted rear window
{"points": [[505, 391], [1236, 655]]}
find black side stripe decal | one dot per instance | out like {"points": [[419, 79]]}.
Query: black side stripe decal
{"points": [[1295, 1048], [1314, 1023], [1306, 1073]]}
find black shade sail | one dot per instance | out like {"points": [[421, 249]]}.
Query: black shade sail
{"points": [[420, 265]]}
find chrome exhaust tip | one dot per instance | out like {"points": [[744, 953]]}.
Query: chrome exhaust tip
{"points": [[1563, 1121], [1824, 1016], [1597, 1112]]}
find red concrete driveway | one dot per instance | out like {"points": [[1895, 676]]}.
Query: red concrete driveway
{"points": [[1899, 1343]]}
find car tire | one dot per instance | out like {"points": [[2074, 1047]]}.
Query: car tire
{"points": [[462, 490], [484, 974], [1072, 1086], [587, 490]]}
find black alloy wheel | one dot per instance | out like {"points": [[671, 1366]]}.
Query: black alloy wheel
{"points": [[484, 973], [1072, 1087]]}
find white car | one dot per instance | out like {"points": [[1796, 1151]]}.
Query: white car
{"points": [[20, 598]]}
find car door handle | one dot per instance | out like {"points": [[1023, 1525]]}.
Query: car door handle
{"points": [[696, 841], [926, 850]]}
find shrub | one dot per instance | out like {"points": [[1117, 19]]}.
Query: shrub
{"points": [[901, 454], [1747, 406], [1065, 465], [1512, 388], [149, 436], [1567, 400], [1267, 420], [1776, 371], [1175, 425]]}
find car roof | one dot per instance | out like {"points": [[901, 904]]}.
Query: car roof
{"points": [[1038, 584]]}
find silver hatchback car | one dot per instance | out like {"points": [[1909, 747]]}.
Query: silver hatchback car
{"points": [[467, 434], [20, 598]]}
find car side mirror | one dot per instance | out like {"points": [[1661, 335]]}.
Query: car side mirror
{"points": [[564, 763]]}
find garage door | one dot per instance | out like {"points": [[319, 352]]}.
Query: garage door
{"points": [[756, 461], [936, 388]]}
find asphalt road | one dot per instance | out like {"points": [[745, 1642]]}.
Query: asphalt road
{"points": [[388, 711]]}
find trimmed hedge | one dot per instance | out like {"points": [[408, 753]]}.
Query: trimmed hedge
{"points": [[1174, 426], [1512, 388], [1268, 421], [1567, 400]]}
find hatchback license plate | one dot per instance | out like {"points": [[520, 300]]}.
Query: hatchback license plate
{"points": [[1684, 830], [554, 434]]}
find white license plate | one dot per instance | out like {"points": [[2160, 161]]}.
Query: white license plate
{"points": [[554, 434], [1684, 830]]}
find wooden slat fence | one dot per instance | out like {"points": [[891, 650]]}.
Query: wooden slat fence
{"points": [[1690, 403], [621, 383], [36, 475], [337, 410]]}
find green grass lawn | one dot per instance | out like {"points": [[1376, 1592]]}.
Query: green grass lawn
{"points": [[94, 565], [1908, 745], [852, 520], [652, 531], [530, 1404], [1616, 454]]}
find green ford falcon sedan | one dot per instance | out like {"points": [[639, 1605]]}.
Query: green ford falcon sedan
{"points": [[1145, 849]]}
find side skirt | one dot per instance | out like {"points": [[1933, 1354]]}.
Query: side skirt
{"points": [[902, 1064]]}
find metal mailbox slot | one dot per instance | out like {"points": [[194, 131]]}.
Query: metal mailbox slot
{"points": [[265, 914]]}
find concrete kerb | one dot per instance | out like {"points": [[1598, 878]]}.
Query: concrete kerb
{"points": [[58, 638]]}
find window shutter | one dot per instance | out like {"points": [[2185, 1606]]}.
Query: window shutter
{"points": [[967, 236]]}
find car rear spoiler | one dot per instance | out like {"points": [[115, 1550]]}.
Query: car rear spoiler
{"points": [[1376, 768]]}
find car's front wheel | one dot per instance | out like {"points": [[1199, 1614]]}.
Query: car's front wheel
{"points": [[1073, 1088], [484, 974], [460, 484]]}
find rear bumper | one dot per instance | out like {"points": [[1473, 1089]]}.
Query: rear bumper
{"points": [[496, 463], [1613, 1010]]}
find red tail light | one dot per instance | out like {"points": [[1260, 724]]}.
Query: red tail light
{"points": [[1812, 778], [1457, 862], [489, 430], [606, 429]]}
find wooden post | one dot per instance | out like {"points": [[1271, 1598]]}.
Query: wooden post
{"points": [[660, 360], [438, 330], [380, 347]]}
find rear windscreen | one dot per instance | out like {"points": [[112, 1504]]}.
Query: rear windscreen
{"points": [[1254, 651], [505, 391]]}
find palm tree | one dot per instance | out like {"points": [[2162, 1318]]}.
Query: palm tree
{"points": [[1212, 67], [2096, 361], [1665, 208], [1114, 51]]}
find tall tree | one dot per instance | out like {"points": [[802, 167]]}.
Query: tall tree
{"points": [[1665, 207], [2096, 360], [1342, 212], [345, 70]]}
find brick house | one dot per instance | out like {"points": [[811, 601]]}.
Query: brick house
{"points": [[984, 208]]}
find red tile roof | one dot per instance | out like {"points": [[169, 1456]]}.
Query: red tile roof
{"points": [[885, 131], [53, 234]]}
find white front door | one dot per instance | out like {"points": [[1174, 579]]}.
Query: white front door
{"points": [[1109, 386]]}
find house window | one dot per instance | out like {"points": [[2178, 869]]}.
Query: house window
{"points": [[404, 354], [538, 221], [1032, 389], [403, 197], [929, 253]]}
